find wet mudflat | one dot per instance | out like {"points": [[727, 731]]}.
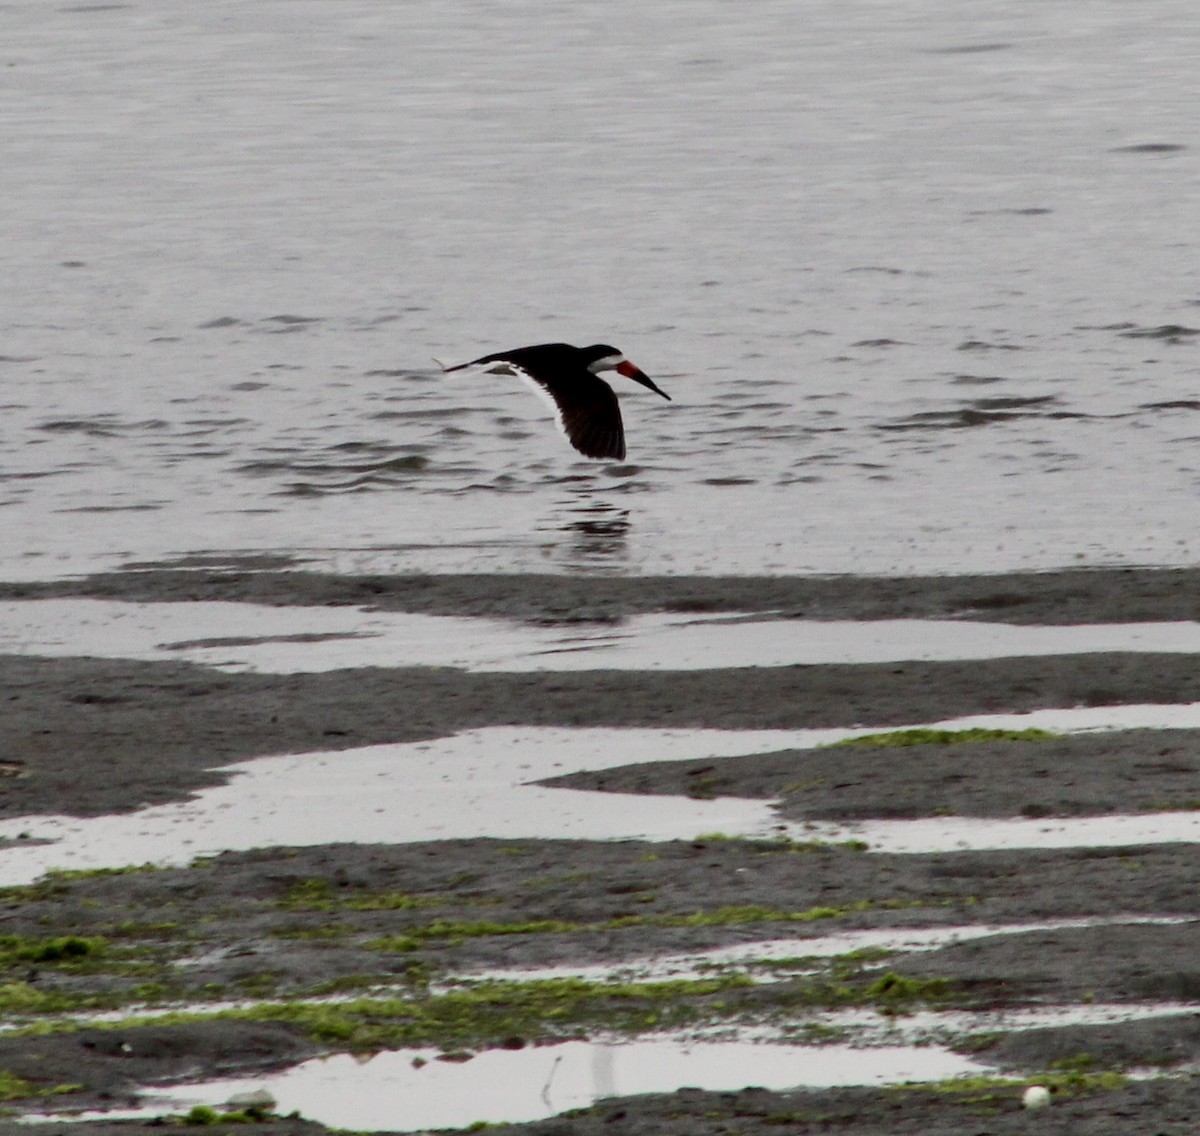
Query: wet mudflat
{"points": [[862, 258], [377, 926], [282, 954]]}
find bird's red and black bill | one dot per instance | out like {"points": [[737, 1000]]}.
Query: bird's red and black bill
{"points": [[626, 368]]}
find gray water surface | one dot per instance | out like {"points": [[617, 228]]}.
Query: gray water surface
{"points": [[922, 281]]}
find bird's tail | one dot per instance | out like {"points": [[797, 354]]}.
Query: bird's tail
{"points": [[445, 369]]}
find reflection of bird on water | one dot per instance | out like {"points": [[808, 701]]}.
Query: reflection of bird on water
{"points": [[599, 530]]}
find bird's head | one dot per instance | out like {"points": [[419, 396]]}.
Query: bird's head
{"points": [[605, 358]]}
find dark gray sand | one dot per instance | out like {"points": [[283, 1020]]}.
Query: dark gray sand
{"points": [[154, 731], [89, 736], [1082, 595], [1083, 775]]}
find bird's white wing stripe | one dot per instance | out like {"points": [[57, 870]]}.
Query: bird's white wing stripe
{"points": [[504, 367], [543, 394]]}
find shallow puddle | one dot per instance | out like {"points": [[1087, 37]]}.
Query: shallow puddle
{"points": [[979, 834], [412, 1089], [419, 1089], [480, 784], [251, 637], [469, 785]]}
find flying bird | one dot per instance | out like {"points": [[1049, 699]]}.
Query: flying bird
{"points": [[567, 377]]}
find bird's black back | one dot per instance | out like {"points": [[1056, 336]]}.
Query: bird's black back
{"points": [[541, 357]]}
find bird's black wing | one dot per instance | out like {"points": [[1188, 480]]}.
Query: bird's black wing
{"points": [[592, 420], [589, 418]]}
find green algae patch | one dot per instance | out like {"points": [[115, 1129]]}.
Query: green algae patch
{"points": [[60, 949], [997, 1092], [22, 998], [733, 915], [457, 931], [737, 915], [202, 1116], [483, 1014], [319, 894], [129, 974], [844, 966], [57, 882], [1078, 1083], [45, 975], [480, 1014], [917, 737], [1183, 805], [894, 991], [13, 1087]]}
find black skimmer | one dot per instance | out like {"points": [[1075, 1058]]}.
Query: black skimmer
{"points": [[585, 407]]}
